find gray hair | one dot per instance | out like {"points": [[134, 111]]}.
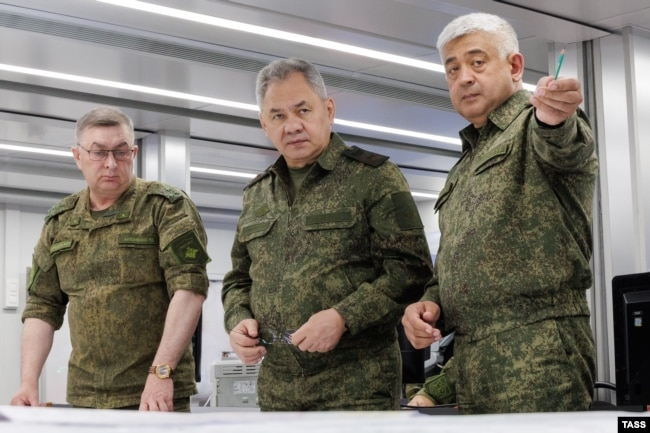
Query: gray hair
{"points": [[279, 70], [104, 116], [506, 38]]}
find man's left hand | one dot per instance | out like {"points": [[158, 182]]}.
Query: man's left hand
{"points": [[158, 395], [321, 333]]}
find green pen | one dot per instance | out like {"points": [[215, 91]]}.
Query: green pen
{"points": [[559, 64]]}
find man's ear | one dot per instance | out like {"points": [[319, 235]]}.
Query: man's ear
{"points": [[516, 61], [262, 123], [331, 109], [75, 155]]}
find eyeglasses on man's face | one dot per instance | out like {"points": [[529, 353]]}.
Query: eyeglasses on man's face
{"points": [[101, 155]]}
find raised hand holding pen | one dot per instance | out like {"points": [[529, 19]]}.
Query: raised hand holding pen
{"points": [[556, 99]]}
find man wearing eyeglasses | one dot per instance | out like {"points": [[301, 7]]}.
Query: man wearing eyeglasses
{"points": [[127, 258]]}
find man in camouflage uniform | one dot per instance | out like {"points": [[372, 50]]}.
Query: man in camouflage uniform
{"points": [[515, 221], [128, 258], [329, 249]]}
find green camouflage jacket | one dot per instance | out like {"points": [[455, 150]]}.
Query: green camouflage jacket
{"points": [[116, 273], [352, 240], [515, 219]]}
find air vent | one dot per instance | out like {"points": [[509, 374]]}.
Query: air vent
{"points": [[233, 368], [239, 370], [118, 38]]}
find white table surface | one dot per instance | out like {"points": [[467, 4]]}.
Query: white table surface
{"points": [[68, 420]]}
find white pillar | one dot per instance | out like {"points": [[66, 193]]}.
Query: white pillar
{"points": [[165, 156]]}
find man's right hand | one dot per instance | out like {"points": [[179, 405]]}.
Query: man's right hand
{"points": [[245, 342], [419, 322], [26, 396], [420, 401]]}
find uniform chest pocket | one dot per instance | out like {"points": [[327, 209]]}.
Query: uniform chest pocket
{"points": [[444, 195], [328, 219], [493, 157], [62, 246], [64, 254], [255, 229]]}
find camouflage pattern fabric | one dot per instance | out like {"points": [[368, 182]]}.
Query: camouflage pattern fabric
{"points": [[546, 366], [352, 240], [116, 272], [515, 221], [355, 379]]}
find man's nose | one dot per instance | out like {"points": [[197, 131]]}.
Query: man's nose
{"points": [[110, 160], [292, 125], [467, 75]]}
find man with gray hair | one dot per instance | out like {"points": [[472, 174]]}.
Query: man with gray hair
{"points": [[515, 220], [329, 249], [127, 258]]}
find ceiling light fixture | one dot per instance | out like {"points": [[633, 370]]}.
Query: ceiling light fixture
{"points": [[280, 34], [15, 148], [273, 33], [424, 195], [397, 131], [208, 100], [222, 172], [218, 172], [126, 86], [68, 154]]}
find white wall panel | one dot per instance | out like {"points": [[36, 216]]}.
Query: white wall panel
{"points": [[640, 67]]}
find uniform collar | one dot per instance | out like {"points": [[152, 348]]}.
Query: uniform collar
{"points": [[501, 117], [327, 159], [330, 156], [122, 209]]}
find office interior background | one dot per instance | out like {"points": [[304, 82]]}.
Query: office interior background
{"points": [[185, 71]]}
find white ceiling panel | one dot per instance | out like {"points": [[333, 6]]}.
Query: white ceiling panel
{"points": [[111, 43]]}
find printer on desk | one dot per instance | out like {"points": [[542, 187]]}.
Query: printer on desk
{"points": [[235, 384]]}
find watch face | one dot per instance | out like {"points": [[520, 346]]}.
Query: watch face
{"points": [[163, 371]]}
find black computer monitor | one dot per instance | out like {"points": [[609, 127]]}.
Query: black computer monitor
{"points": [[631, 303]]}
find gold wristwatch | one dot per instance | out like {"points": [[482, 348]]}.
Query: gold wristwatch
{"points": [[162, 371]]}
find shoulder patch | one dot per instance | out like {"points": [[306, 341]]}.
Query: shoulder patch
{"points": [[369, 158], [171, 193], [406, 212], [63, 206], [257, 179], [188, 249]]}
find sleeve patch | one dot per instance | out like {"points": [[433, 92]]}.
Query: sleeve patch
{"points": [[188, 249], [406, 212]]}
